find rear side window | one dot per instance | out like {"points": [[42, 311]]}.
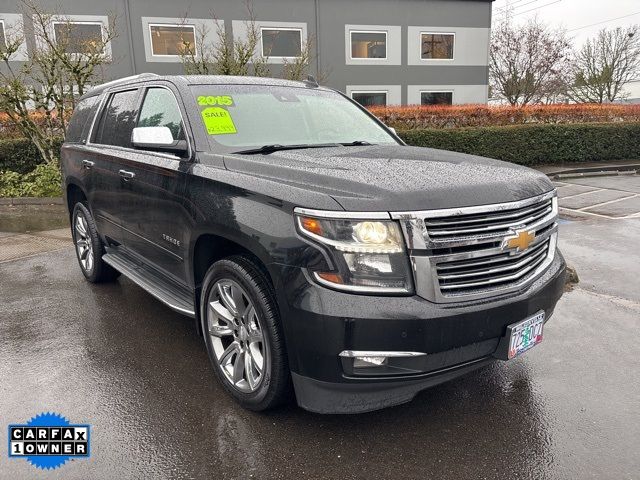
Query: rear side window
{"points": [[81, 120], [160, 109], [117, 121]]}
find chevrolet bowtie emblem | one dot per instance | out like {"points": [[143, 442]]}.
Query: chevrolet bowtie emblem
{"points": [[520, 241]]}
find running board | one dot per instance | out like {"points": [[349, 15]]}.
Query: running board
{"points": [[175, 296]]}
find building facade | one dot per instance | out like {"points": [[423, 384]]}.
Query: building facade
{"points": [[393, 52]]}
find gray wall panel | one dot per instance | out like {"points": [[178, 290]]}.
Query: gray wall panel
{"points": [[129, 49]]}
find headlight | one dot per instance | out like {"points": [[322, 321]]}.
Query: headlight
{"points": [[369, 255]]}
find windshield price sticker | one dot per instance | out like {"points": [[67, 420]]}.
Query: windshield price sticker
{"points": [[218, 121]]}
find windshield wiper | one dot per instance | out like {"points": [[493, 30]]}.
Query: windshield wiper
{"points": [[266, 149]]}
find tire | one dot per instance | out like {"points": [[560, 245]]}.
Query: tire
{"points": [[247, 351], [89, 247]]}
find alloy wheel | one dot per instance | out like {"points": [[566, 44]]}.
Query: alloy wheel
{"points": [[84, 245], [236, 335]]}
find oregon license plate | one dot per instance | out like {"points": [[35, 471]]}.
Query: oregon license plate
{"points": [[525, 335]]}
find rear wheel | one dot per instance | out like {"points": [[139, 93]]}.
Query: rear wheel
{"points": [[243, 335], [89, 247]]}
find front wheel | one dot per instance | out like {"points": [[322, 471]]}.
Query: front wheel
{"points": [[243, 335], [89, 248]]}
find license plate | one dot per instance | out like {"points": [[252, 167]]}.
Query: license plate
{"points": [[525, 335]]}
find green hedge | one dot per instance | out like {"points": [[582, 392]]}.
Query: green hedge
{"points": [[524, 144], [44, 181], [537, 144], [20, 155]]}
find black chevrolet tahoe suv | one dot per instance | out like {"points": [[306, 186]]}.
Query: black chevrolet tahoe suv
{"points": [[317, 253]]}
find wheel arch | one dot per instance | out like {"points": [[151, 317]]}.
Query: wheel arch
{"points": [[208, 248], [74, 194]]}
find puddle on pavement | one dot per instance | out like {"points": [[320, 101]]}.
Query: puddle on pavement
{"points": [[32, 218]]}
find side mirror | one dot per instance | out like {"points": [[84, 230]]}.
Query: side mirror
{"points": [[157, 138]]}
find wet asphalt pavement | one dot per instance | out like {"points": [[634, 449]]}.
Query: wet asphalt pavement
{"points": [[113, 357]]}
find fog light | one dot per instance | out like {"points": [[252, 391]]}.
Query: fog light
{"points": [[363, 362]]}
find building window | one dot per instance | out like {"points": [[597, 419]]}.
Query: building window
{"points": [[3, 40], [370, 99], [281, 42], [436, 98], [79, 37], [369, 45], [437, 46], [172, 40]]}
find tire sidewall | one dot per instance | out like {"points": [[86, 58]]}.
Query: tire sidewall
{"points": [[229, 270], [80, 209]]}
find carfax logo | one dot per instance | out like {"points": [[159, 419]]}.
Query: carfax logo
{"points": [[48, 440]]}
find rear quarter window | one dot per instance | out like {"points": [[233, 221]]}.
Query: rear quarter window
{"points": [[81, 119]]}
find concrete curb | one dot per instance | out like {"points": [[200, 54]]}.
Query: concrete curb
{"points": [[32, 201], [628, 169]]}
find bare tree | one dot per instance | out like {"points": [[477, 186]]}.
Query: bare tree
{"points": [[40, 94], [226, 55], [298, 67], [605, 64], [218, 53], [527, 62]]}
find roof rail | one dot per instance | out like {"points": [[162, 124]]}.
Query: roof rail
{"points": [[125, 79]]}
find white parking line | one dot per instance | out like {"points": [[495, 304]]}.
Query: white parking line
{"points": [[583, 193], [608, 202]]}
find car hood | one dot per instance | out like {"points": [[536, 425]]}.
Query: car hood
{"points": [[395, 177]]}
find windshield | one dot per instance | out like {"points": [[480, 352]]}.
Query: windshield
{"points": [[237, 117]]}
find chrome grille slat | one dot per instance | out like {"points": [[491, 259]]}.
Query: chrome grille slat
{"points": [[490, 271], [460, 254], [484, 217], [487, 228], [500, 279], [497, 259]]}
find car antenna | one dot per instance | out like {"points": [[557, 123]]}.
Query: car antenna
{"points": [[311, 81]]}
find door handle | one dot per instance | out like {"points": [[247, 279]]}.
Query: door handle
{"points": [[126, 176], [88, 164]]}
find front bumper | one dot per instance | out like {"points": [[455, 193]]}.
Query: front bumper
{"points": [[457, 338]]}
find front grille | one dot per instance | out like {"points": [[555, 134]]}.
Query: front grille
{"points": [[490, 272], [462, 254], [488, 223]]}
